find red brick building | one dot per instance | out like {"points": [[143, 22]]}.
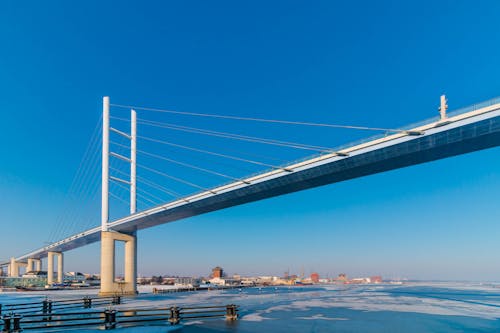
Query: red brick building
{"points": [[217, 272]]}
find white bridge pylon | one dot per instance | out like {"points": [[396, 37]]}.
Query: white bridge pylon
{"points": [[109, 286]]}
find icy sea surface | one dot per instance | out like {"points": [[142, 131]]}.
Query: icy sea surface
{"points": [[412, 307]]}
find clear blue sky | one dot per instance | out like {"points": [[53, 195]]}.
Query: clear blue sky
{"points": [[381, 63]]}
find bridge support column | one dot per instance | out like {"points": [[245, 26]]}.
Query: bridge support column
{"points": [[108, 284], [29, 266], [38, 264], [34, 265], [13, 268], [60, 268], [50, 267]]}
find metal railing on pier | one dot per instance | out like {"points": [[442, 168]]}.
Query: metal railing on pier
{"points": [[111, 318], [48, 306]]}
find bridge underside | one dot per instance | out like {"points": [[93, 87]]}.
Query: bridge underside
{"points": [[443, 143]]}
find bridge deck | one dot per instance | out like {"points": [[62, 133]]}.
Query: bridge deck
{"points": [[462, 133]]}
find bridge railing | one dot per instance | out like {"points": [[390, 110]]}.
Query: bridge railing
{"points": [[111, 318], [474, 107]]}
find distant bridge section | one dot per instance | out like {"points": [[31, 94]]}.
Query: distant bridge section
{"points": [[462, 132]]}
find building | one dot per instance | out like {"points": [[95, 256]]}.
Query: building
{"points": [[187, 282], [358, 281], [75, 277], [315, 278], [376, 279], [342, 277], [217, 272], [35, 274], [225, 282]]}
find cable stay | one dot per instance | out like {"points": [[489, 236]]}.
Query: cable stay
{"points": [[128, 189], [240, 137], [119, 199], [187, 165], [140, 201], [79, 187], [147, 199], [159, 200], [227, 135], [193, 167], [286, 122], [150, 184], [175, 178], [139, 194], [159, 187], [90, 190], [274, 158], [215, 154]]}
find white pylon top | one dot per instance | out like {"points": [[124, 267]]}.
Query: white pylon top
{"points": [[443, 107]]}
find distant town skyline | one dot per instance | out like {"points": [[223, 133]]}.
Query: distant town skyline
{"points": [[381, 64]]}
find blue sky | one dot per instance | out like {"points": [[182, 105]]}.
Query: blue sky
{"points": [[368, 63]]}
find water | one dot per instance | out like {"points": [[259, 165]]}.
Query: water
{"points": [[413, 307]]}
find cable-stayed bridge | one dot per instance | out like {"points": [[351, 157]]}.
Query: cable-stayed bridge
{"points": [[452, 133]]}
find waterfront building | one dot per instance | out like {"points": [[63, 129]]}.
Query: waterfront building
{"points": [[249, 281], [188, 282], [143, 280], [217, 272], [342, 277], [315, 278], [75, 277], [35, 274], [225, 282]]}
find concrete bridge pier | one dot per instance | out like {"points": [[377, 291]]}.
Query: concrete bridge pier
{"points": [[29, 266], [50, 267], [108, 284], [14, 267], [34, 265], [38, 264]]}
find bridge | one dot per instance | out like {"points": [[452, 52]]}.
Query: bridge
{"points": [[463, 131]]}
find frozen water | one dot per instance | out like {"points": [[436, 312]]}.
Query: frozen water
{"points": [[413, 307]]}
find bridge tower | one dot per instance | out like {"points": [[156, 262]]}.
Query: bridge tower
{"points": [[109, 237]]}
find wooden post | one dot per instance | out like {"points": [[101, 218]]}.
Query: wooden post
{"points": [[6, 323], [231, 312], [109, 319], [16, 327], [174, 315]]}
